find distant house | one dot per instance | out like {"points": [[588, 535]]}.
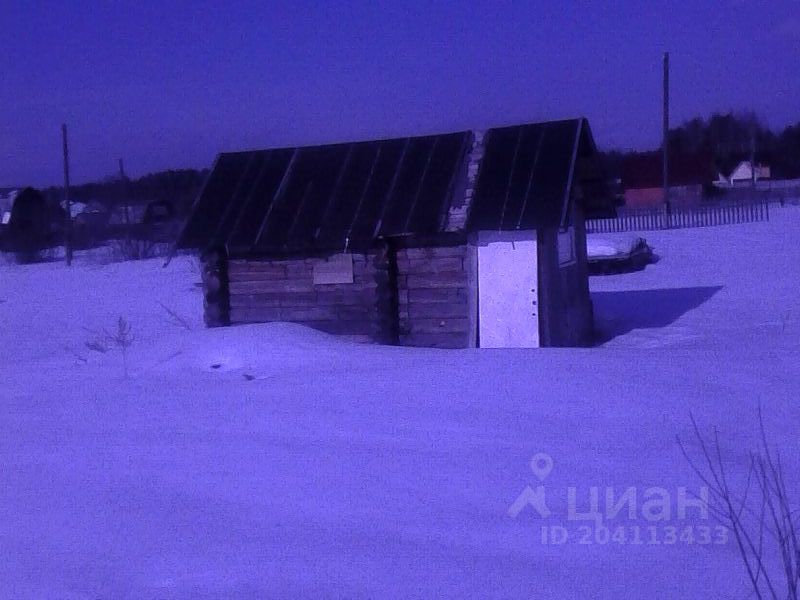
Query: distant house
{"points": [[158, 211], [743, 173], [92, 215], [456, 240], [76, 208], [122, 214], [689, 176]]}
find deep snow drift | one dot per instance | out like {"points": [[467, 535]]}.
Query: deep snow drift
{"points": [[274, 461]]}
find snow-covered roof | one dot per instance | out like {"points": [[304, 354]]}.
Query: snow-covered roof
{"points": [[744, 172]]}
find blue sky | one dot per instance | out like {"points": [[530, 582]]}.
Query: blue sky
{"points": [[171, 84]]}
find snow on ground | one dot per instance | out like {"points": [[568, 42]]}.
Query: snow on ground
{"points": [[274, 461], [713, 288]]}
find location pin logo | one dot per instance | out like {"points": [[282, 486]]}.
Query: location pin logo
{"points": [[541, 465]]}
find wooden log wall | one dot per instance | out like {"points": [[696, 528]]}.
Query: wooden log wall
{"points": [[433, 297], [284, 290]]}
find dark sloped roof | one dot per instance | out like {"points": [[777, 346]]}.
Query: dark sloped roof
{"points": [[525, 176], [326, 197]]}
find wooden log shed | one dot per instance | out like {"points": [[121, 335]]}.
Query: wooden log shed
{"points": [[457, 240]]}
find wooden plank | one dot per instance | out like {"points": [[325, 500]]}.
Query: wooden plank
{"points": [[255, 300], [254, 315], [347, 287], [300, 270], [435, 340], [430, 265], [297, 285], [457, 295], [440, 280], [262, 287], [346, 297], [366, 313], [459, 307], [437, 310], [257, 265], [433, 252], [253, 265], [276, 274], [447, 325], [365, 298], [309, 313], [287, 299]]}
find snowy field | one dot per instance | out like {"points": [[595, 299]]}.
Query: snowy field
{"points": [[271, 461]]}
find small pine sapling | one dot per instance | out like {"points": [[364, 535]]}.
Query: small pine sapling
{"points": [[123, 338]]}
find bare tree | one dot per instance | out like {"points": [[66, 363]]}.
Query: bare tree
{"points": [[759, 515]]}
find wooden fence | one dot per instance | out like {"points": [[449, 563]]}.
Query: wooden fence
{"points": [[705, 215]]}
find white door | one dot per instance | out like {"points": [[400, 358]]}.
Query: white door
{"points": [[508, 311]]}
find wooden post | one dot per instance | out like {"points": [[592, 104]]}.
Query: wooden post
{"points": [[216, 295], [665, 147], [126, 206], [67, 203]]}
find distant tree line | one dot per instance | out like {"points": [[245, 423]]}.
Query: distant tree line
{"points": [[729, 139], [178, 187], [38, 218]]}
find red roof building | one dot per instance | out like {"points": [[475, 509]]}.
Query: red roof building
{"points": [[643, 180]]}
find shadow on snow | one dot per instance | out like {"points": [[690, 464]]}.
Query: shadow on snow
{"points": [[617, 313]]}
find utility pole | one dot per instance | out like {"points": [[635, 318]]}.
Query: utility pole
{"points": [[665, 143], [125, 204], [123, 181], [67, 203], [753, 155]]}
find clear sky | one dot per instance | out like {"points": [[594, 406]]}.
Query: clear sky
{"points": [[171, 84]]}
